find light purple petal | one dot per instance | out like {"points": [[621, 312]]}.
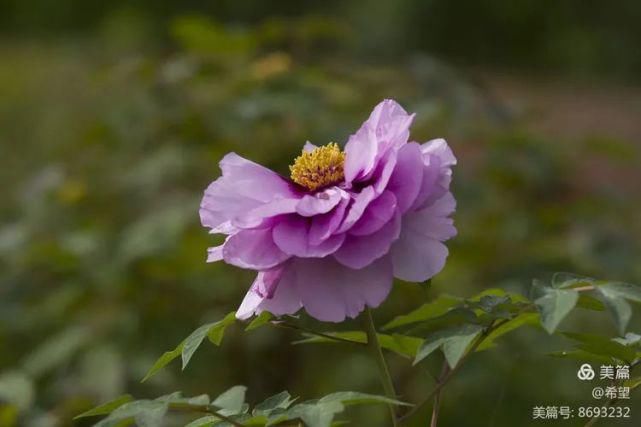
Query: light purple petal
{"points": [[255, 217], [323, 226], [379, 212], [387, 127], [264, 287], [407, 178], [320, 202], [243, 186], [254, 249], [437, 174], [215, 253], [330, 291], [291, 235], [419, 254], [357, 208], [360, 251]]}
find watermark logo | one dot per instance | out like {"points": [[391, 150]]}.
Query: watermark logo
{"points": [[585, 373]]}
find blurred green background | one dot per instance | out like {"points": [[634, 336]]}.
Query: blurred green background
{"points": [[113, 116]]}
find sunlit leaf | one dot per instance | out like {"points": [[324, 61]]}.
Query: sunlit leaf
{"points": [[554, 305], [232, 399]]}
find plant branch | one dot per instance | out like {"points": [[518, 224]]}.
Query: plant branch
{"points": [[437, 397], [285, 325], [375, 347]]}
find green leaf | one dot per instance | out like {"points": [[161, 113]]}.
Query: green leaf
{"points": [[623, 290], [554, 305], [509, 326], [206, 421], [403, 345], [570, 280], [441, 305], [259, 320], [232, 399], [217, 330], [282, 400], [630, 339], [453, 342], [589, 303], [356, 398], [187, 348], [163, 361], [145, 413], [316, 414], [106, 408], [602, 346], [619, 309], [632, 383]]}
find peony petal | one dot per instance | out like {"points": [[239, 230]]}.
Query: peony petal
{"points": [[253, 249], [417, 258], [419, 253], [360, 251], [357, 208], [407, 178], [323, 226], [387, 127], [437, 174], [330, 291], [291, 235], [264, 287], [215, 253], [243, 187], [255, 217], [378, 213], [320, 202]]}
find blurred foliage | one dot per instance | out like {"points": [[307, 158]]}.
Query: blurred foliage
{"points": [[106, 151]]}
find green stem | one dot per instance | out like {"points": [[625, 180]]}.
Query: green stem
{"points": [[375, 347]]}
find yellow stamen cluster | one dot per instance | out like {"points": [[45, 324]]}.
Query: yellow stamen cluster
{"points": [[319, 168]]}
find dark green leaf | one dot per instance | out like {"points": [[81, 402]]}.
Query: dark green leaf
{"points": [[510, 325], [452, 341], [217, 330], [583, 356], [356, 398], [603, 346], [441, 305], [259, 321], [401, 344], [146, 413]]}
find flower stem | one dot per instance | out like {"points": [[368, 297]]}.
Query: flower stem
{"points": [[375, 347]]}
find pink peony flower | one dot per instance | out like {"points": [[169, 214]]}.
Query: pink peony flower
{"points": [[332, 238]]}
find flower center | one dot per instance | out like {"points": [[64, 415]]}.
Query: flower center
{"points": [[319, 168]]}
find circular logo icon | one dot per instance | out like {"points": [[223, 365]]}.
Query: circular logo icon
{"points": [[586, 373]]}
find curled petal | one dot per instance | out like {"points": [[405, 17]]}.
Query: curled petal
{"points": [[320, 202], [378, 213], [291, 235], [263, 288]]}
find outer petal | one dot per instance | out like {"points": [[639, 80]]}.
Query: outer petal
{"points": [[254, 249], [357, 208], [215, 253], [360, 251], [407, 178], [264, 287], [291, 235], [419, 253], [274, 291], [437, 174], [387, 127], [330, 291], [243, 187]]}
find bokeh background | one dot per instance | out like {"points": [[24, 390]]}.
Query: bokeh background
{"points": [[113, 116]]}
